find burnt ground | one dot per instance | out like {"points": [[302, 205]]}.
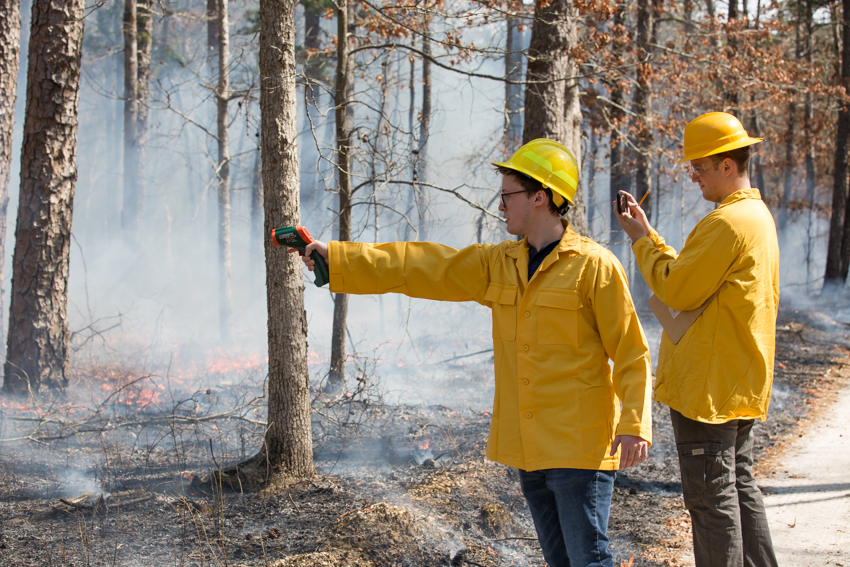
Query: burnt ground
{"points": [[397, 484]]}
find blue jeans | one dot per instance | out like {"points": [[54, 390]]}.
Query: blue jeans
{"points": [[570, 510]]}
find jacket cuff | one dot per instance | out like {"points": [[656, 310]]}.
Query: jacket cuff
{"points": [[335, 265], [636, 430]]}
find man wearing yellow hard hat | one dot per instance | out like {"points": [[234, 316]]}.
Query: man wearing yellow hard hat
{"points": [[561, 309], [716, 374]]}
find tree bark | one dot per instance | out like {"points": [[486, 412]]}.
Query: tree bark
{"points": [[643, 125], [836, 268], [552, 107], [132, 156], [256, 211], [223, 173], [424, 129], [10, 44], [619, 178], [38, 324], [344, 115], [288, 440], [512, 135], [311, 190]]}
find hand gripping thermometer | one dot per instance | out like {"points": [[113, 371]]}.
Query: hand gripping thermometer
{"points": [[298, 237]]}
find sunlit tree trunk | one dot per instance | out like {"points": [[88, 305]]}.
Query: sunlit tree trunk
{"points": [[343, 95], [38, 339], [10, 44], [222, 96], [836, 267], [288, 440], [552, 94]]}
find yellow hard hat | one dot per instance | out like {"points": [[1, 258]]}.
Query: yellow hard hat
{"points": [[551, 164], [714, 133]]}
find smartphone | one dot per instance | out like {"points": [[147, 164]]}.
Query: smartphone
{"points": [[622, 203]]}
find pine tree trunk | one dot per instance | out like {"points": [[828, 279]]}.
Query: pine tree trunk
{"points": [[552, 108], [512, 136], [10, 44], [38, 324], [311, 190], [257, 235], [222, 96], [836, 268], [343, 95], [144, 45], [619, 178], [132, 155], [643, 126], [288, 441], [424, 129]]}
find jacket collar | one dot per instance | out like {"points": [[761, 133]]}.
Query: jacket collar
{"points": [[751, 193], [570, 242]]}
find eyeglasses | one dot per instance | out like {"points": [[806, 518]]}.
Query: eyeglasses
{"points": [[697, 171], [508, 194]]}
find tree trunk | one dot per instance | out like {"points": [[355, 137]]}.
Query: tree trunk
{"points": [[38, 324], [552, 106], [424, 128], [788, 177], [619, 178], [144, 44], [132, 158], [343, 95], [10, 44], [222, 96], [311, 190], [810, 150], [288, 440], [257, 211], [512, 135], [643, 125], [836, 268]]}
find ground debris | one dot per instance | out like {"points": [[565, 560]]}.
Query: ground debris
{"points": [[93, 502]]}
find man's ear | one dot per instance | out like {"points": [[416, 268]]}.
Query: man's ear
{"points": [[540, 197]]}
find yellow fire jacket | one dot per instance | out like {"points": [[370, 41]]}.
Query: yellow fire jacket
{"points": [[557, 404], [722, 369]]}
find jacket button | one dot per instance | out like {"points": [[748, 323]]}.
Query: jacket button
{"points": [[528, 415], [525, 348], [525, 382], [527, 314]]}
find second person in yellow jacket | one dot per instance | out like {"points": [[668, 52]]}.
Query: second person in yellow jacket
{"points": [[562, 415], [717, 378]]}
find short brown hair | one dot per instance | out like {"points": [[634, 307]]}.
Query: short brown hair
{"points": [[741, 157], [532, 186]]}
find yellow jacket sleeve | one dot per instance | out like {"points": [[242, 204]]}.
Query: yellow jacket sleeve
{"points": [[625, 344], [417, 269], [686, 280]]}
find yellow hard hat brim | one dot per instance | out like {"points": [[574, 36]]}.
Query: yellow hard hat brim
{"points": [[700, 153]]}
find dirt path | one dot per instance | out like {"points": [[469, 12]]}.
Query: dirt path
{"points": [[808, 493]]}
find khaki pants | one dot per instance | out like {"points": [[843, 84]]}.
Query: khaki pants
{"points": [[727, 511]]}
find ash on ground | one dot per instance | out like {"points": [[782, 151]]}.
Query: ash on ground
{"points": [[399, 484]]}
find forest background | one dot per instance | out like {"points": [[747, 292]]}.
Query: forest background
{"points": [[161, 168]]}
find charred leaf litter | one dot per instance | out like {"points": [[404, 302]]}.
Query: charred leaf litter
{"points": [[397, 484]]}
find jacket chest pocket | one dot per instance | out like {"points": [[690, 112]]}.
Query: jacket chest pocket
{"points": [[558, 317], [502, 300]]}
